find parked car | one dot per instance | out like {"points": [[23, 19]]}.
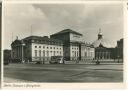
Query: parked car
{"points": [[57, 60]]}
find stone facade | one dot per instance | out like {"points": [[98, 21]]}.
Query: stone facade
{"points": [[103, 48], [74, 47], [119, 49], [66, 43], [36, 48]]}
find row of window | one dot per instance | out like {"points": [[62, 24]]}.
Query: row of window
{"points": [[91, 54], [75, 53], [46, 42], [47, 53], [49, 47], [75, 48]]}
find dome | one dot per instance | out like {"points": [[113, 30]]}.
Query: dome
{"points": [[103, 42], [100, 33]]}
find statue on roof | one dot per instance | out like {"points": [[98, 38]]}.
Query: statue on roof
{"points": [[100, 34]]}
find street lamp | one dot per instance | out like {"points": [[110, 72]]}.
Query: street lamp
{"points": [[22, 46]]}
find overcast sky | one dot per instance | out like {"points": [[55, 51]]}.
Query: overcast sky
{"points": [[47, 19]]}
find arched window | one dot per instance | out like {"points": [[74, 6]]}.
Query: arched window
{"points": [[54, 53], [44, 53], [47, 53], [35, 53], [39, 53]]}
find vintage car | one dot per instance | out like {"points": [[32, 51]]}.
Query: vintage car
{"points": [[57, 60]]}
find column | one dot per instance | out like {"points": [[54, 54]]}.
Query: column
{"points": [[108, 55], [103, 54]]}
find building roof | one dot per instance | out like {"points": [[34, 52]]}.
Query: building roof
{"points": [[16, 42], [103, 42], [45, 38], [68, 31]]}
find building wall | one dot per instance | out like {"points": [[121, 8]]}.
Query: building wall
{"points": [[74, 52], [87, 52], [17, 52], [64, 37], [71, 52], [45, 51], [119, 49], [75, 37], [7, 55], [66, 51], [28, 52], [70, 48], [103, 53]]}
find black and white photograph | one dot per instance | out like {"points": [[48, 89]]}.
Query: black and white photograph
{"points": [[63, 43]]}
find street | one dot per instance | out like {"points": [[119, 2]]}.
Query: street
{"points": [[48, 73]]}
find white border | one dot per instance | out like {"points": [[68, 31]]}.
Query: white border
{"points": [[2, 49]]}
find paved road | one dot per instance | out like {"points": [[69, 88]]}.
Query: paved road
{"points": [[63, 73]]}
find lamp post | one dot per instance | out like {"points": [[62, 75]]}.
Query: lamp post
{"points": [[22, 46]]}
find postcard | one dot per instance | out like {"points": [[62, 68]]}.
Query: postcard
{"points": [[64, 45]]}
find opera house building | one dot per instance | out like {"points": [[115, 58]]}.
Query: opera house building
{"points": [[66, 43]]}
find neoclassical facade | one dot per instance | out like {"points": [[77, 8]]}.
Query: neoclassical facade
{"points": [[66, 43], [74, 47], [35, 48]]}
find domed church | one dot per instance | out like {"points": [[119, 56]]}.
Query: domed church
{"points": [[103, 48]]}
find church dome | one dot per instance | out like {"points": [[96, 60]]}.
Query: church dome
{"points": [[101, 41]]}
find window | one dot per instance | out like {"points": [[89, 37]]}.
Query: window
{"points": [[43, 46], [39, 46], [85, 54], [60, 48], [35, 53], [91, 54], [51, 53], [39, 53], [35, 46], [75, 54], [50, 47], [47, 53], [60, 52], [54, 47], [54, 53], [44, 53], [47, 47]]}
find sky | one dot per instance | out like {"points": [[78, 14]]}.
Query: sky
{"points": [[23, 20]]}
